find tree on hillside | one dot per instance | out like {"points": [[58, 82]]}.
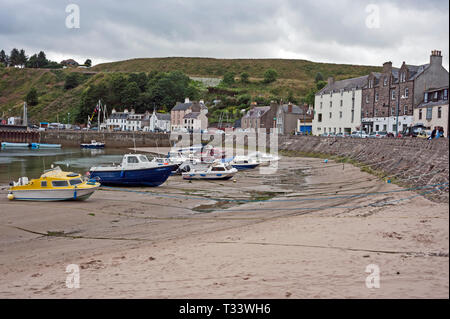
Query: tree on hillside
{"points": [[130, 95], [88, 63], [3, 57], [72, 81], [168, 88], [270, 76], [22, 58], [319, 77], [140, 79], [41, 59], [14, 57], [32, 97], [32, 62], [228, 78], [245, 77]]}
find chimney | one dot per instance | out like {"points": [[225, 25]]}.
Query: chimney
{"points": [[113, 111], [202, 102], [253, 104], [186, 100], [290, 107], [330, 80], [436, 57], [125, 111], [387, 67]]}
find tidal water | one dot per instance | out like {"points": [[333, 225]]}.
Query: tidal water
{"points": [[15, 163]]}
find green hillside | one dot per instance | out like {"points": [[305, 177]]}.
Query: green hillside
{"points": [[295, 80]]}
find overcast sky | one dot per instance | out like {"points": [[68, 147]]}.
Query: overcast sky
{"points": [[336, 31]]}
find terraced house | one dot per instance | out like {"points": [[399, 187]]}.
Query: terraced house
{"points": [[391, 96], [337, 107]]}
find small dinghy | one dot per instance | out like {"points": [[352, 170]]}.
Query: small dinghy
{"points": [[243, 162], [93, 144], [53, 185], [216, 170], [135, 170]]}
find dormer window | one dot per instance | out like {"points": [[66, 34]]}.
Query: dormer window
{"points": [[425, 97]]}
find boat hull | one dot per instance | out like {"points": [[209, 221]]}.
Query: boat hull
{"points": [[152, 177], [15, 145], [53, 194], [211, 176], [241, 167], [92, 146]]}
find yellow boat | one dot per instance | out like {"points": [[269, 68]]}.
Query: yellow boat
{"points": [[53, 185]]}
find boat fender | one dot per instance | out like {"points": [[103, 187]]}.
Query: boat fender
{"points": [[10, 196]]}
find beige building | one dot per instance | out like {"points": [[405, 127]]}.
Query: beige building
{"points": [[433, 111], [180, 110], [337, 107]]}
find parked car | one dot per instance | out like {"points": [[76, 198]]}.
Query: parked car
{"points": [[378, 134], [414, 131], [359, 134]]}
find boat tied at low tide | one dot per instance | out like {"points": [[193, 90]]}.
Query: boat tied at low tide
{"points": [[53, 185]]}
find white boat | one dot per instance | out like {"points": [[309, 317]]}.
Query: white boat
{"points": [[215, 171], [241, 162], [263, 158], [93, 144]]}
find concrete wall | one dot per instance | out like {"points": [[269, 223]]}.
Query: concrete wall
{"points": [[111, 139], [413, 161]]}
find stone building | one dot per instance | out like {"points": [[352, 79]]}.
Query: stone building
{"points": [[158, 122], [195, 122], [395, 92], [260, 117], [288, 115], [337, 106], [433, 111]]}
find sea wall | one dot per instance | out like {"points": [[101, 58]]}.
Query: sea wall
{"points": [[413, 162], [111, 139]]}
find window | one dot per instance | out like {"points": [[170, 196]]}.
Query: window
{"points": [[75, 181], [376, 113], [353, 115], [367, 113], [43, 184], [340, 115], [429, 113], [377, 127], [330, 115], [439, 112], [446, 94], [143, 158], [420, 114], [320, 104], [132, 159], [218, 169], [425, 97], [435, 95], [405, 110], [59, 183], [342, 92], [319, 118], [406, 92], [376, 96], [341, 103], [331, 103], [385, 127], [367, 99], [392, 111], [385, 81], [393, 94]]}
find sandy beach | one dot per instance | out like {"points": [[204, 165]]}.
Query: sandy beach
{"points": [[308, 231]]}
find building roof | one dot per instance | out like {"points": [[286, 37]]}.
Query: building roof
{"points": [[257, 112], [163, 116], [437, 89], [192, 115], [185, 106], [346, 85], [432, 103], [295, 109]]}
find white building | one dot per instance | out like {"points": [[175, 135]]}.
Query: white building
{"points": [[195, 122], [337, 107], [158, 122]]}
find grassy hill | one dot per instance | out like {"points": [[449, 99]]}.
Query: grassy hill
{"points": [[295, 77]]}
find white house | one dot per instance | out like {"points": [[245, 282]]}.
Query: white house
{"points": [[158, 122], [195, 122], [337, 107]]}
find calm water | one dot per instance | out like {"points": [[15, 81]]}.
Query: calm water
{"points": [[31, 163]]}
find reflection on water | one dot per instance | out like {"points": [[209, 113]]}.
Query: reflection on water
{"points": [[15, 163]]}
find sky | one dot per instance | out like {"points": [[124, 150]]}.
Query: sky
{"points": [[334, 31]]}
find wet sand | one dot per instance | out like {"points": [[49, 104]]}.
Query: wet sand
{"points": [[308, 231]]}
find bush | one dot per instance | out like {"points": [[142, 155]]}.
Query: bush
{"points": [[270, 76], [72, 81], [32, 97]]}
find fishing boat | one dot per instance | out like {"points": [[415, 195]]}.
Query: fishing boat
{"points": [[243, 162], [215, 171], [135, 170], [93, 144], [53, 185]]}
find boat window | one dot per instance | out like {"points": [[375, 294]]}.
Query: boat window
{"points": [[132, 159], [59, 183], [44, 184], [75, 181], [143, 158], [217, 169]]}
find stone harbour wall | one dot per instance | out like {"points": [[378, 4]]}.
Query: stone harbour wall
{"points": [[410, 162]]}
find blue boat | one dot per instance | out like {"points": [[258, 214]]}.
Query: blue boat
{"points": [[43, 145], [135, 170], [93, 144], [15, 145], [241, 162]]}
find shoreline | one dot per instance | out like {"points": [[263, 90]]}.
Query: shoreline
{"points": [[312, 238]]}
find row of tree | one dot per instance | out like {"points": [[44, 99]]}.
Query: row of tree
{"points": [[38, 60], [138, 91], [270, 76]]}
